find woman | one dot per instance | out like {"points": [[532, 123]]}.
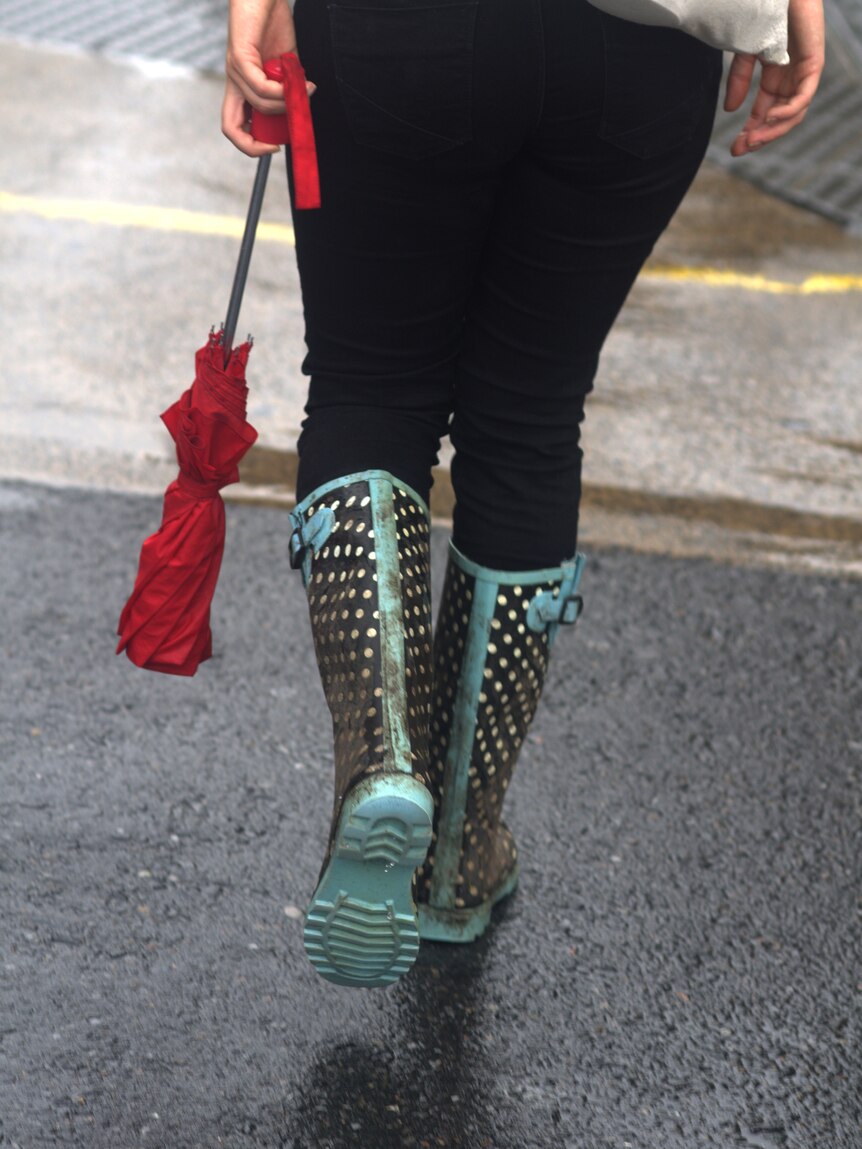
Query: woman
{"points": [[494, 176]]}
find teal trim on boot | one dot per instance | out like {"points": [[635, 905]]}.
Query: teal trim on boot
{"points": [[491, 650], [305, 542], [453, 803], [510, 578], [362, 543], [348, 480]]}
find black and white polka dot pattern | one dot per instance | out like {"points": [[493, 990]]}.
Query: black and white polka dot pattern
{"points": [[516, 662], [414, 560], [345, 621]]}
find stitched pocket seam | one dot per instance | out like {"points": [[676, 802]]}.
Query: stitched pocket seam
{"points": [[398, 119]]}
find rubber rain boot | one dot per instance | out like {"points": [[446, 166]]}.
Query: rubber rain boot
{"points": [[361, 542], [492, 645]]}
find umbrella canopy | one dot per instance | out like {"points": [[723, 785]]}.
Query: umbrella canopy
{"points": [[165, 625]]}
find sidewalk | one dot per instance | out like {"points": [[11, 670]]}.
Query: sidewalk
{"points": [[727, 418]]}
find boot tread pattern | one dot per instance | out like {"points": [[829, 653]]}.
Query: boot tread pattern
{"points": [[361, 928], [354, 942], [389, 840]]}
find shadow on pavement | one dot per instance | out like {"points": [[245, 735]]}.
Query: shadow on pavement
{"points": [[438, 1089]]}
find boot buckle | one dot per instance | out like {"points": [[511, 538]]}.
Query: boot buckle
{"points": [[308, 537], [545, 609], [571, 609], [548, 612]]}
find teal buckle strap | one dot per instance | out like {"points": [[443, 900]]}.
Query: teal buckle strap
{"points": [[549, 611], [309, 537]]}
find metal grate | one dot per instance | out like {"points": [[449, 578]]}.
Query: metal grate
{"points": [[818, 166], [186, 32]]}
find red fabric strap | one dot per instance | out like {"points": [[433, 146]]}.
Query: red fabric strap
{"points": [[294, 128]]}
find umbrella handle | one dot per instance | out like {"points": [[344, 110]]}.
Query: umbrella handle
{"points": [[244, 261]]}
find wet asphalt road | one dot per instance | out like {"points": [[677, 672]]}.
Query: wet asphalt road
{"points": [[680, 968]]}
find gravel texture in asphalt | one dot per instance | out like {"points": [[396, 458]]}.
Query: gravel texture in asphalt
{"points": [[680, 968]]}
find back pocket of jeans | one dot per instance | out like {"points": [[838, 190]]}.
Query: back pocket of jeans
{"points": [[405, 72], [658, 85]]}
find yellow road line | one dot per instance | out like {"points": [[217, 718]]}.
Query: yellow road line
{"points": [[717, 277], [140, 215], [202, 223]]}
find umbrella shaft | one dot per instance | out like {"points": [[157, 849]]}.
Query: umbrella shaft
{"points": [[241, 275]]}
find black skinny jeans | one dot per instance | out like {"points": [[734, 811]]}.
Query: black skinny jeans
{"points": [[494, 174]]}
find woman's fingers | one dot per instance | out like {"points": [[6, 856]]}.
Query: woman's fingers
{"points": [[785, 91], [757, 134], [739, 79], [236, 115], [247, 73], [774, 105], [235, 123], [774, 113], [258, 30]]}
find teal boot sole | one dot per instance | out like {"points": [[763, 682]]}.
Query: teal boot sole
{"points": [[361, 928], [437, 924]]}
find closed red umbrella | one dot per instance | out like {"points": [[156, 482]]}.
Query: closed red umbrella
{"points": [[165, 625]]}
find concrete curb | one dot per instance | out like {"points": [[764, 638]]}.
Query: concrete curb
{"points": [[737, 530]]}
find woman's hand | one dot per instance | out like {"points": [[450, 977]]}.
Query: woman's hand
{"points": [[257, 30], [786, 90]]}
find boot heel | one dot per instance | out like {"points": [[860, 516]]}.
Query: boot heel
{"points": [[361, 928], [444, 925]]}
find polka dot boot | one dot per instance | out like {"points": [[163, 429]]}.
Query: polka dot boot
{"points": [[491, 649], [362, 545]]}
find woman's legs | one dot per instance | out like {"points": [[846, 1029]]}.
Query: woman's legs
{"points": [[490, 191], [576, 217], [386, 266], [482, 276], [388, 262]]}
